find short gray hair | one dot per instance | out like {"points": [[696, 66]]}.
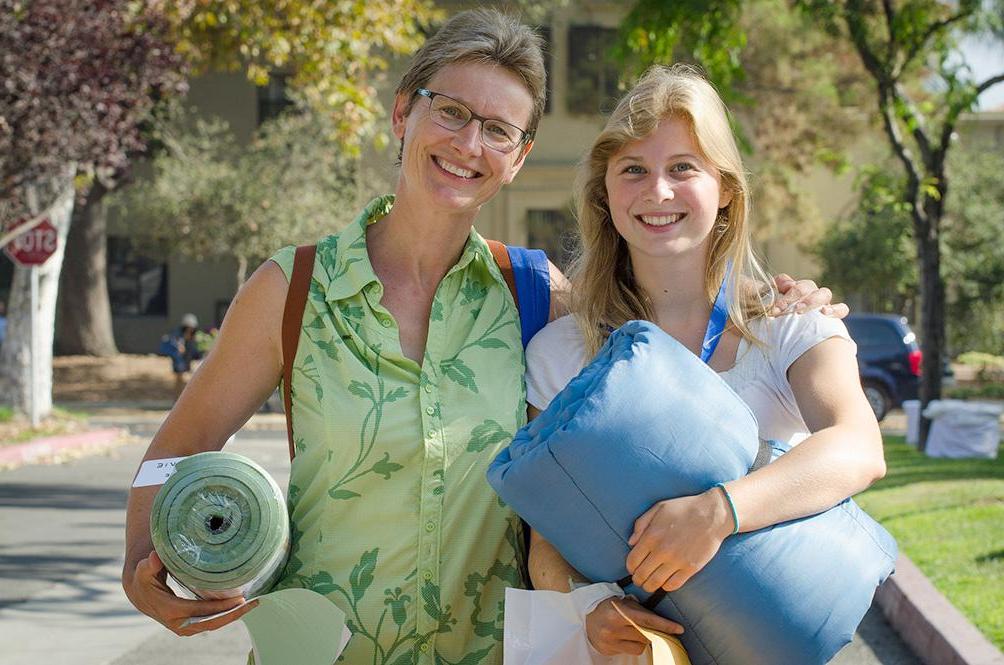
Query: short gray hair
{"points": [[485, 36]]}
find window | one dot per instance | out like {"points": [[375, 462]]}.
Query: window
{"points": [[272, 97], [874, 333], [554, 232], [592, 72], [137, 285]]}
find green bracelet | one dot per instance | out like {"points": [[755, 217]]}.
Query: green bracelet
{"points": [[732, 506]]}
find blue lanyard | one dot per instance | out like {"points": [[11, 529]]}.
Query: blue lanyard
{"points": [[716, 324]]}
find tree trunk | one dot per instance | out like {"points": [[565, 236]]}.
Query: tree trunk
{"points": [[15, 355], [85, 314], [932, 318], [242, 270]]}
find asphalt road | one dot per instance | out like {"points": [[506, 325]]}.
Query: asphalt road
{"points": [[61, 529]]}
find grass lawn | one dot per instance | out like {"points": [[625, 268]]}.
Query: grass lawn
{"points": [[948, 517], [16, 429]]}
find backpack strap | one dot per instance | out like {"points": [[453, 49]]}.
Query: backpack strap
{"points": [[292, 322], [526, 273], [501, 254]]}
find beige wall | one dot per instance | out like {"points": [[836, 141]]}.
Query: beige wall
{"points": [[194, 287]]}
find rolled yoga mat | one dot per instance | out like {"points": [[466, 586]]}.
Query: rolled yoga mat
{"points": [[646, 420], [220, 526]]}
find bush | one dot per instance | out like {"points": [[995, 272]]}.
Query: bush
{"points": [[988, 366], [989, 391]]}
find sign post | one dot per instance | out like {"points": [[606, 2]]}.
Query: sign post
{"points": [[32, 249]]}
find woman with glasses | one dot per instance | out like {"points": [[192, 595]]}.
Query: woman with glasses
{"points": [[407, 381]]}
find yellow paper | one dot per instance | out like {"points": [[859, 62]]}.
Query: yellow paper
{"points": [[666, 649]]}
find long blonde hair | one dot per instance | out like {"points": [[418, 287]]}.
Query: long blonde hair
{"points": [[605, 294]]}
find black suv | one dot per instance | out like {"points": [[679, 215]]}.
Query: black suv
{"points": [[888, 359]]}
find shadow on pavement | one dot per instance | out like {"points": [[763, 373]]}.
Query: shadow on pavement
{"points": [[61, 497]]}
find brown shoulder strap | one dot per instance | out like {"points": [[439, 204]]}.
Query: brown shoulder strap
{"points": [[292, 322], [501, 255]]}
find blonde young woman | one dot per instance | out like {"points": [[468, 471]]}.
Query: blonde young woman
{"points": [[663, 210]]}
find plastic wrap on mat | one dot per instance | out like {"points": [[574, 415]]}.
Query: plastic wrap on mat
{"points": [[220, 526], [646, 421]]}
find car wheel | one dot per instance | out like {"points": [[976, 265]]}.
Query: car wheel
{"points": [[878, 398]]}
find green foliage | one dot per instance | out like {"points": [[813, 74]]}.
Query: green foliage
{"points": [[210, 197], [869, 256], [973, 251], [703, 32], [334, 51], [981, 360], [869, 253], [946, 516], [989, 391], [910, 51]]}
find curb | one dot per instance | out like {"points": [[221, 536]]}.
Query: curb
{"points": [[929, 624], [47, 448]]}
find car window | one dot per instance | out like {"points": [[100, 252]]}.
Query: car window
{"points": [[874, 333]]}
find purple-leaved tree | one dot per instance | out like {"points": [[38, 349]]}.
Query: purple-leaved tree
{"points": [[77, 80]]}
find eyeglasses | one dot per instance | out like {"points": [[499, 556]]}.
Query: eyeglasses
{"points": [[450, 114]]}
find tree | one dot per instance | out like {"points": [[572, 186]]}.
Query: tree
{"points": [[869, 257], [78, 79], [909, 49], [974, 254], [334, 52], [283, 188]]}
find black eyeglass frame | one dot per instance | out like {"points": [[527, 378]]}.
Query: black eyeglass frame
{"points": [[525, 136]]}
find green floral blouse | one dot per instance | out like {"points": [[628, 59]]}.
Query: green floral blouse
{"points": [[392, 517]]}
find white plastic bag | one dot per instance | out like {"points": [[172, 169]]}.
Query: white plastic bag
{"points": [[548, 628]]}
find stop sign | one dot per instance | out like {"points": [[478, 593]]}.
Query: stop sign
{"points": [[34, 247]]}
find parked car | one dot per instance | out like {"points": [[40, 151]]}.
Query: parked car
{"points": [[889, 359]]}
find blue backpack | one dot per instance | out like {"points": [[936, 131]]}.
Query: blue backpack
{"points": [[529, 280]]}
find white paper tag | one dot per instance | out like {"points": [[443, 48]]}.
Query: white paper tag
{"points": [[155, 471]]}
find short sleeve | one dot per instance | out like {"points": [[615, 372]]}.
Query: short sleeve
{"points": [[794, 334], [284, 259], [554, 357]]}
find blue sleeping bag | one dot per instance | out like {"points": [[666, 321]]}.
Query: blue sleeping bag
{"points": [[646, 421]]}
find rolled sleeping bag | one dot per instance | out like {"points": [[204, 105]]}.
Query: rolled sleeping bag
{"points": [[647, 420], [220, 526]]}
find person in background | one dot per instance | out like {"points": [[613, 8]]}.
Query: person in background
{"points": [[181, 347]]}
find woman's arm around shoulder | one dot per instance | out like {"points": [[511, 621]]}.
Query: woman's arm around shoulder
{"points": [[234, 380]]}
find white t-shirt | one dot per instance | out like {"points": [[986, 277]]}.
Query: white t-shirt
{"points": [[760, 376]]}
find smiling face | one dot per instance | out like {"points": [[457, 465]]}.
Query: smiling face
{"points": [[452, 171], [663, 195]]}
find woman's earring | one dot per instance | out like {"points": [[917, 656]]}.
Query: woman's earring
{"points": [[722, 221]]}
